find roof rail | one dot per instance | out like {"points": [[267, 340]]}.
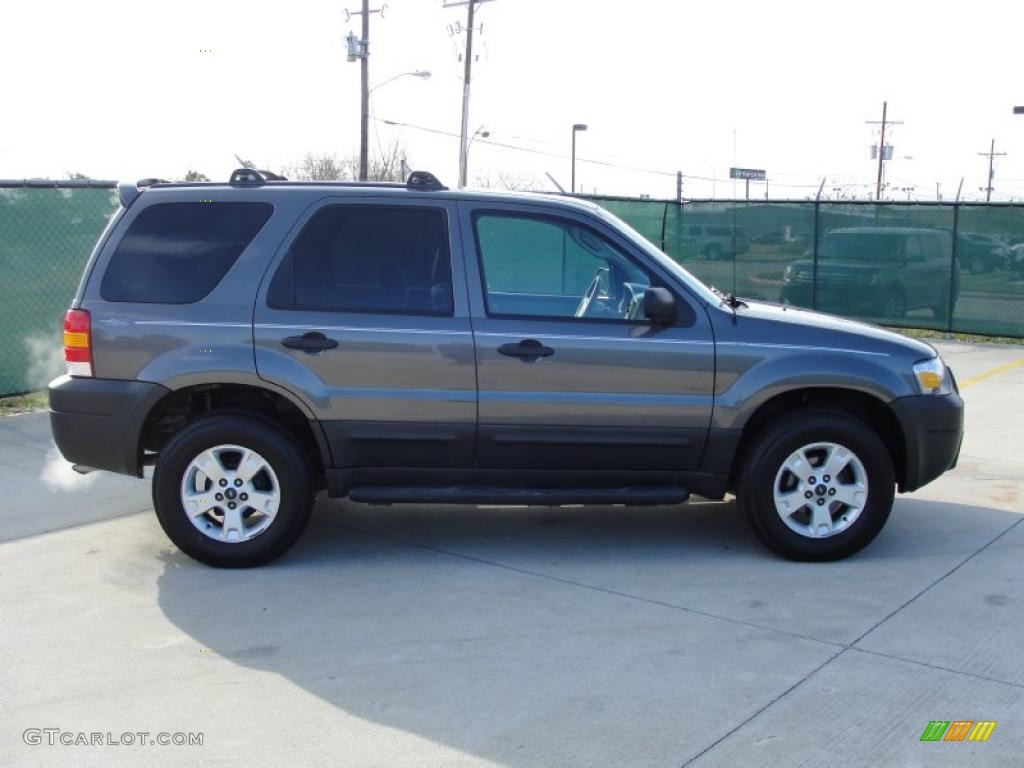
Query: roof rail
{"points": [[424, 181], [253, 176]]}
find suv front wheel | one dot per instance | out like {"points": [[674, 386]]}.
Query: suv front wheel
{"points": [[232, 491], [817, 485]]}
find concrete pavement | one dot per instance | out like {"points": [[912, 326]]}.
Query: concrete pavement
{"points": [[528, 637]]}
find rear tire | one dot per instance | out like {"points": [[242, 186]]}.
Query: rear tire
{"points": [[818, 527], [255, 530]]}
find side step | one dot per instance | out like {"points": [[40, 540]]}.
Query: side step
{"points": [[551, 497]]}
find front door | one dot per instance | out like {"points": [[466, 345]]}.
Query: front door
{"points": [[363, 316], [570, 373]]}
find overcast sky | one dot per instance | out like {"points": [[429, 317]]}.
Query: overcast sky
{"points": [[134, 88]]}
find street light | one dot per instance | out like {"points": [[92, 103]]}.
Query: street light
{"points": [[577, 127], [423, 74], [483, 133]]}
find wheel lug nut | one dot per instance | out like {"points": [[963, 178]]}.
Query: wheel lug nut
{"points": [[219, 497], [820, 502], [238, 482], [825, 479], [223, 482], [244, 496], [811, 480], [807, 494], [831, 491], [231, 504]]}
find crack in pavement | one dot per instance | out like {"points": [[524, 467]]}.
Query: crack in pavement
{"points": [[841, 648]]}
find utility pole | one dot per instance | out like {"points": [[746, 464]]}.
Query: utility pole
{"points": [[467, 76], [991, 155], [360, 49], [881, 145], [679, 186]]}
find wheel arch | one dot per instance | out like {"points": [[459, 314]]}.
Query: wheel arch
{"points": [[861, 405], [182, 406]]}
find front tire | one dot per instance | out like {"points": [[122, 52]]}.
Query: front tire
{"points": [[818, 486], [232, 491]]}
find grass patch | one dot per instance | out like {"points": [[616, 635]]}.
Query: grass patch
{"points": [[32, 401], [974, 338]]}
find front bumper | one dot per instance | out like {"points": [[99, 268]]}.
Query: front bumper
{"points": [[97, 422], [933, 428]]}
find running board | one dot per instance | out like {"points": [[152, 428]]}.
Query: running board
{"points": [[551, 497]]}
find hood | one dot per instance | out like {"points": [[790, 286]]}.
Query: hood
{"points": [[839, 266], [809, 327]]}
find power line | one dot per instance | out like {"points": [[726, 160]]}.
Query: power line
{"points": [[545, 153]]}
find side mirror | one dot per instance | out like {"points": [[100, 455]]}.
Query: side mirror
{"points": [[660, 306]]}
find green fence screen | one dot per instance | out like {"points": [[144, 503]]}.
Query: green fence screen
{"points": [[46, 236], [944, 267], [954, 268]]}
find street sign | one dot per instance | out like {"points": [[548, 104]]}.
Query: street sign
{"points": [[748, 174]]}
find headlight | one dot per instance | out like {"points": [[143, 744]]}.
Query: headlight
{"points": [[932, 377]]}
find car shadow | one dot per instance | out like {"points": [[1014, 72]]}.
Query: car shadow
{"points": [[510, 633]]}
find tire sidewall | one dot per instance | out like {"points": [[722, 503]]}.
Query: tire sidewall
{"points": [[287, 463], [784, 440]]}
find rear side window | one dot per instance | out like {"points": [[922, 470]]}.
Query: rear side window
{"points": [[175, 253], [362, 258]]}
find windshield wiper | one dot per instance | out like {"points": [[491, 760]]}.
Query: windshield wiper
{"points": [[734, 301]]}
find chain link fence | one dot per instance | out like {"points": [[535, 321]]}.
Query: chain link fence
{"points": [[954, 268], [46, 235], [945, 267]]}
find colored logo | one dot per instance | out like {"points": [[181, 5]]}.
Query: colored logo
{"points": [[958, 730]]}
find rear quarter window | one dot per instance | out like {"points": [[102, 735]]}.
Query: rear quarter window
{"points": [[176, 253]]}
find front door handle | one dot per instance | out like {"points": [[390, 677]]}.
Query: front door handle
{"points": [[311, 342], [526, 348]]}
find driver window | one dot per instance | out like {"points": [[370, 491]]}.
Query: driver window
{"points": [[536, 266]]}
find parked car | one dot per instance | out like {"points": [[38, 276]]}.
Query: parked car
{"points": [[717, 241], [981, 253], [881, 272], [261, 340]]}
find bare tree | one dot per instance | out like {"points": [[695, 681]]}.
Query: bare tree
{"points": [[77, 175], [509, 180], [196, 176], [388, 166]]}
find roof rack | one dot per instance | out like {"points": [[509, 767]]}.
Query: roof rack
{"points": [[425, 181], [253, 176]]}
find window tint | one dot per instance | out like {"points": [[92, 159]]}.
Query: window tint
{"points": [[368, 259], [175, 253], [543, 267]]}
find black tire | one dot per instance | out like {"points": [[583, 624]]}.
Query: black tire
{"points": [[763, 458], [713, 252], [280, 452], [893, 307]]}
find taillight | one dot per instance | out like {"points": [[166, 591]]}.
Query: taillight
{"points": [[78, 342]]}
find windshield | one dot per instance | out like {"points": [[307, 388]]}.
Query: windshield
{"points": [[691, 282]]}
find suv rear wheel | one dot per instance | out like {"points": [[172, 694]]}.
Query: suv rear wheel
{"points": [[232, 491], [817, 486]]}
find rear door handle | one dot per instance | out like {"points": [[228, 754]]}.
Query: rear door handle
{"points": [[526, 348], [311, 342]]}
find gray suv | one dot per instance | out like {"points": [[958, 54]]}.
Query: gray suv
{"points": [[262, 340]]}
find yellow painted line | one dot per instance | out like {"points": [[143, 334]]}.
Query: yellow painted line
{"points": [[991, 372]]}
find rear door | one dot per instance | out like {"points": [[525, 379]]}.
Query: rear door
{"points": [[603, 390], [363, 316]]}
